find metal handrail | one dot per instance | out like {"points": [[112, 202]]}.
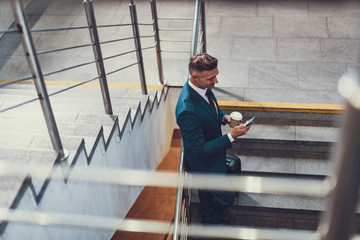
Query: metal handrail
{"points": [[174, 18], [9, 31], [92, 26], [120, 54], [118, 70], [157, 40], [50, 94], [137, 42], [94, 35], [117, 40], [34, 65], [63, 49], [175, 29], [180, 197], [175, 40], [195, 33], [58, 29], [175, 51]]}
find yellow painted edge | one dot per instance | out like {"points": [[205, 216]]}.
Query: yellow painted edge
{"points": [[282, 107], [228, 105], [92, 84]]}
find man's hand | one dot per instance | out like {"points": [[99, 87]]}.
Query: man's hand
{"points": [[239, 130], [227, 118]]}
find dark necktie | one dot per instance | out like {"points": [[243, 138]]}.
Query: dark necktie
{"points": [[211, 100]]}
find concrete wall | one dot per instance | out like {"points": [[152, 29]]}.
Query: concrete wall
{"points": [[142, 147]]}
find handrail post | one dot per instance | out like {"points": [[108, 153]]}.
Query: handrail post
{"points": [[203, 27], [135, 27], [194, 39], [337, 221], [94, 35], [39, 82], [157, 40]]}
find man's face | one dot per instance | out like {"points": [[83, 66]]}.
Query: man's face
{"points": [[205, 79]]}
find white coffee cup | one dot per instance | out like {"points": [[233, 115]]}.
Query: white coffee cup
{"points": [[235, 119]]}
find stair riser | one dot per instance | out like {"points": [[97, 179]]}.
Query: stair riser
{"points": [[271, 218], [266, 218], [284, 149]]}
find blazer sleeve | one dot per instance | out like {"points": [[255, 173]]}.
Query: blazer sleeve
{"points": [[193, 136], [222, 114]]}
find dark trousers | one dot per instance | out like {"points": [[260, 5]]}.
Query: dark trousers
{"points": [[213, 203]]}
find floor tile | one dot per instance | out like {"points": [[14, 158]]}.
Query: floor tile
{"points": [[273, 75], [328, 8], [229, 93], [66, 7], [322, 76], [344, 27], [233, 74], [256, 27], [300, 27], [298, 50], [220, 47], [340, 50], [295, 96], [282, 8], [253, 49], [231, 8]]}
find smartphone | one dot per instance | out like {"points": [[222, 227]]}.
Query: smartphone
{"points": [[250, 121]]}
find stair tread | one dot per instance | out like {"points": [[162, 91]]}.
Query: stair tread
{"points": [[287, 165], [78, 93], [9, 189], [11, 100]]}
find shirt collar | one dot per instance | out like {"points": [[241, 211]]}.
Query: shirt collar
{"points": [[200, 91]]}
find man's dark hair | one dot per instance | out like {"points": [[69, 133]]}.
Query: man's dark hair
{"points": [[202, 62]]}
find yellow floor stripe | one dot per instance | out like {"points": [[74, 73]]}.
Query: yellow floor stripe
{"points": [[91, 84], [228, 105], [282, 107]]}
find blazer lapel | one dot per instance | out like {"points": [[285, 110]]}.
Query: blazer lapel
{"points": [[203, 103]]}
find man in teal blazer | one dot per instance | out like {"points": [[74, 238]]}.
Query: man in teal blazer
{"points": [[199, 118]]}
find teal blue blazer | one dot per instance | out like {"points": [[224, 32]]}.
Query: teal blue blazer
{"points": [[204, 145]]}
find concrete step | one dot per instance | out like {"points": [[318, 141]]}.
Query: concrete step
{"points": [[68, 113], [290, 132], [282, 148], [267, 217], [322, 167], [293, 118], [9, 188], [23, 156], [78, 92], [270, 210], [18, 99]]}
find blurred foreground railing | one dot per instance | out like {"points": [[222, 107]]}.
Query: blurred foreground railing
{"points": [[246, 184]]}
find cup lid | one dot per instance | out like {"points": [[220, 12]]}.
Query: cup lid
{"points": [[236, 116]]}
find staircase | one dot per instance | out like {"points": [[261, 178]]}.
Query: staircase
{"points": [[283, 145], [89, 135]]}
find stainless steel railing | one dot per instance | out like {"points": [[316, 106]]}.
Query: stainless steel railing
{"points": [[183, 194], [94, 35], [38, 78], [99, 59]]}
